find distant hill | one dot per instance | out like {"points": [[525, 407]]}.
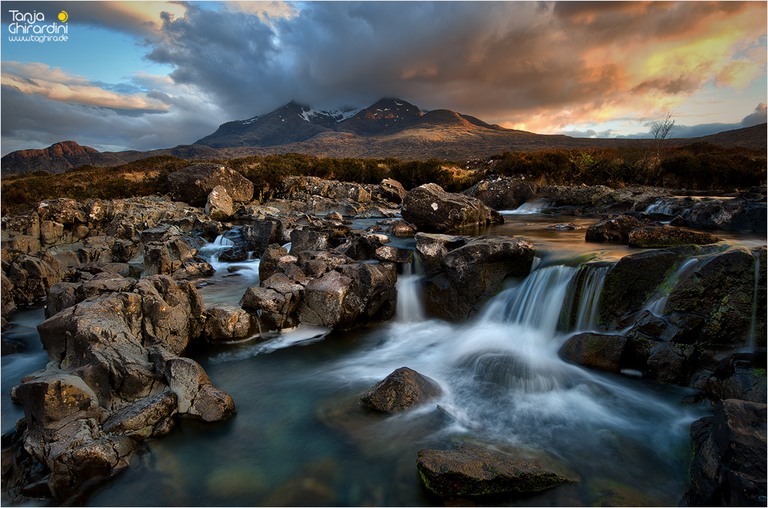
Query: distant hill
{"points": [[390, 127], [57, 158]]}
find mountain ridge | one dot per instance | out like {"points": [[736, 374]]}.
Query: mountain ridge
{"points": [[390, 127]]}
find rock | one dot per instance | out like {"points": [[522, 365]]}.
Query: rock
{"points": [[671, 363], [308, 239], [463, 272], [349, 295], [503, 193], [193, 183], [316, 263], [219, 205], [739, 376], [7, 305], [259, 234], [394, 254], [729, 456], [66, 294], [725, 214], [148, 417], [402, 229], [276, 303], [402, 389], [614, 229], [631, 281], [274, 260], [32, 277], [434, 210], [174, 255], [392, 190], [720, 291], [668, 236], [474, 471], [580, 196], [601, 352], [228, 323]]}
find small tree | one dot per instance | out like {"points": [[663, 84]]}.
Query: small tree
{"points": [[660, 130]]}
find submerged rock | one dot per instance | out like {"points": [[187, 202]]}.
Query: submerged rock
{"points": [[402, 389], [475, 471], [434, 210]]}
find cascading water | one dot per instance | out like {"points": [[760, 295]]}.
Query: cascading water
{"points": [[409, 302], [530, 207], [751, 343], [583, 298]]}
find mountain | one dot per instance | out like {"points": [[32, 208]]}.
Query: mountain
{"points": [[289, 124], [387, 116], [57, 158]]}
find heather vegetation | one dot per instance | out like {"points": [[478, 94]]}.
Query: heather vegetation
{"points": [[699, 167]]}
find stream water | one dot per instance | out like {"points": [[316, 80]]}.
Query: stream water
{"points": [[299, 437]]}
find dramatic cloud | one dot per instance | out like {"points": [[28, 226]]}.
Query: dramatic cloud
{"points": [[545, 67], [54, 84]]}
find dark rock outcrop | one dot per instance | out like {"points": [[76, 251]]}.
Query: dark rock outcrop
{"points": [[402, 389], [474, 471], [615, 229], [193, 183], [228, 323], [729, 456], [601, 352], [431, 209], [463, 272]]}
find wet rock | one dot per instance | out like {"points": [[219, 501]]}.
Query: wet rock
{"points": [[463, 272], [259, 234], [720, 291], [148, 417], [275, 260], [474, 471], [431, 209], [7, 305], [503, 193], [402, 389], [402, 229], [219, 205], [740, 376], [316, 263], [672, 363], [66, 294], [175, 255], [668, 236], [33, 276], [726, 214], [308, 239], [579, 196], [228, 323], [631, 281], [614, 229], [393, 254], [193, 183], [729, 456], [601, 352]]}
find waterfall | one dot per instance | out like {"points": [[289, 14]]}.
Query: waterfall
{"points": [[222, 241], [658, 300], [409, 305], [536, 303], [583, 298], [663, 206]]}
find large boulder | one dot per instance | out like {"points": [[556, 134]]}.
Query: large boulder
{"points": [[402, 389], [471, 470], [601, 352], [392, 190], [431, 209], [503, 193], [219, 205], [228, 323], [721, 292], [32, 277], [463, 272], [275, 303], [729, 456], [726, 214], [193, 183], [631, 281]]}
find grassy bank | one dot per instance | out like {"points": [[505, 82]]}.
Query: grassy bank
{"points": [[694, 167]]}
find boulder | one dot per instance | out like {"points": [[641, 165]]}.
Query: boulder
{"points": [[276, 303], [668, 236], [402, 229], [463, 272], [7, 303], [431, 209], [309, 239], [32, 277], [193, 183], [739, 376], [471, 470], [631, 281], [601, 352], [275, 259], [720, 292], [259, 234], [148, 417], [392, 190], [228, 323], [219, 205], [503, 193], [729, 456], [725, 214], [402, 389], [614, 229]]}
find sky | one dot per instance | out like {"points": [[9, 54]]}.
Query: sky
{"points": [[145, 75]]}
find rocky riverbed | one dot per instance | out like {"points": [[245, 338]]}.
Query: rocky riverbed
{"points": [[636, 302]]}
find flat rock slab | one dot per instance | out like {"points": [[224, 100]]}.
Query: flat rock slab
{"points": [[471, 470]]}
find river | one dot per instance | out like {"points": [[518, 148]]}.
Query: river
{"points": [[300, 438]]}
